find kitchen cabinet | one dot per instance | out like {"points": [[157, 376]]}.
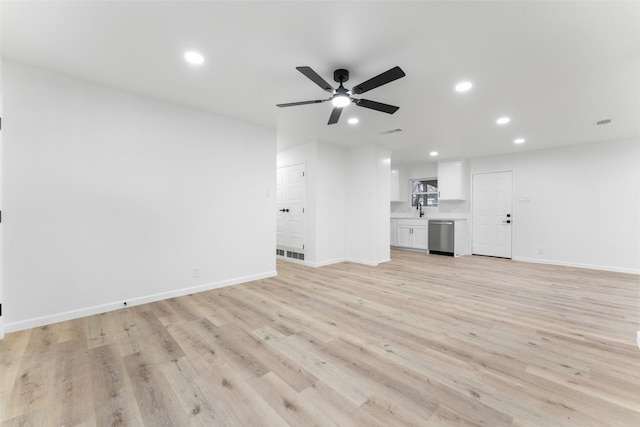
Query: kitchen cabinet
{"points": [[412, 233], [450, 180], [461, 238]]}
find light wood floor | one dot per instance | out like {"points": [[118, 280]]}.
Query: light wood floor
{"points": [[422, 340]]}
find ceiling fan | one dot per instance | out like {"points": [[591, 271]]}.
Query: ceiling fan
{"points": [[341, 97]]}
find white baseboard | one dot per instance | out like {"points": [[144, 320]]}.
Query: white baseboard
{"points": [[326, 262], [579, 265], [75, 314], [363, 261]]}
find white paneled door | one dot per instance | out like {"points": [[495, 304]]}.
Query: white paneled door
{"points": [[492, 214], [290, 190]]}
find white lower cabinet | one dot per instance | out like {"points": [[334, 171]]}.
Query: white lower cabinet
{"points": [[411, 233]]}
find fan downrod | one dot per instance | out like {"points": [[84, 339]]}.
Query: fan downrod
{"points": [[341, 75]]}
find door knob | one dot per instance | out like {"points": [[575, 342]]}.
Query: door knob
{"points": [[286, 210]]}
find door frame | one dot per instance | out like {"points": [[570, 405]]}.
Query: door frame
{"points": [[472, 222], [285, 248]]}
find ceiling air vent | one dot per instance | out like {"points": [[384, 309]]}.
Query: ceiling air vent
{"points": [[387, 132], [603, 122]]}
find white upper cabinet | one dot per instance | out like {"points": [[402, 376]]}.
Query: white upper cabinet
{"points": [[450, 180]]}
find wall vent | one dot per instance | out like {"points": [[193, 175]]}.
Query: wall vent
{"points": [[387, 132], [295, 255], [290, 254]]}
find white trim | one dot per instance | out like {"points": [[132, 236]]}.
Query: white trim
{"points": [[579, 265], [472, 201], [297, 261], [363, 261], [75, 314], [326, 262]]}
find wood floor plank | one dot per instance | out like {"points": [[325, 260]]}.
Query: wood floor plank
{"points": [[112, 390], [300, 350], [71, 402], [100, 330], [287, 402], [11, 356], [154, 395], [191, 393], [421, 340], [33, 385], [246, 404]]}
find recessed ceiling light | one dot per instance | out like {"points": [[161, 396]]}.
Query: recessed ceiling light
{"points": [[433, 153], [518, 140], [463, 86], [193, 57], [503, 120], [353, 120]]}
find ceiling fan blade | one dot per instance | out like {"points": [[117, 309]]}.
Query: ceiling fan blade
{"points": [[293, 104], [335, 115], [379, 80], [385, 108], [315, 77]]}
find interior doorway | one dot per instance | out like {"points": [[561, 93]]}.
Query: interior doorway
{"points": [[492, 215], [290, 201]]}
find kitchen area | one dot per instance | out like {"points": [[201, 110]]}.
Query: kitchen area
{"points": [[429, 208]]}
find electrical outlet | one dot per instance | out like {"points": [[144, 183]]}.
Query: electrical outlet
{"points": [[196, 271]]}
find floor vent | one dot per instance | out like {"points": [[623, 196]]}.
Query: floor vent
{"points": [[280, 252]]}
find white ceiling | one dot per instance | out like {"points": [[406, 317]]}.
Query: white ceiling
{"points": [[553, 67]]}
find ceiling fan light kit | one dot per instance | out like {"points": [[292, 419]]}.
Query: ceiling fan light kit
{"points": [[341, 96]]}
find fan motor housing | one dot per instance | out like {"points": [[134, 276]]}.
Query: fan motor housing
{"points": [[341, 75]]}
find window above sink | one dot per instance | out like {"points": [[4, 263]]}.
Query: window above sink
{"points": [[424, 191]]}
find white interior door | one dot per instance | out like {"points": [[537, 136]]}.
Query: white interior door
{"points": [[290, 195], [492, 214]]}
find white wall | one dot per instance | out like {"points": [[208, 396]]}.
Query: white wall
{"points": [[330, 204], [304, 154], [325, 200], [584, 207], [347, 202], [112, 197], [368, 180], [1, 239], [445, 208]]}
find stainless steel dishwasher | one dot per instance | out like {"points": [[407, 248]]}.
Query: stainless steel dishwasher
{"points": [[441, 237]]}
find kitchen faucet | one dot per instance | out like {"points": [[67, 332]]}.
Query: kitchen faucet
{"points": [[419, 207]]}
